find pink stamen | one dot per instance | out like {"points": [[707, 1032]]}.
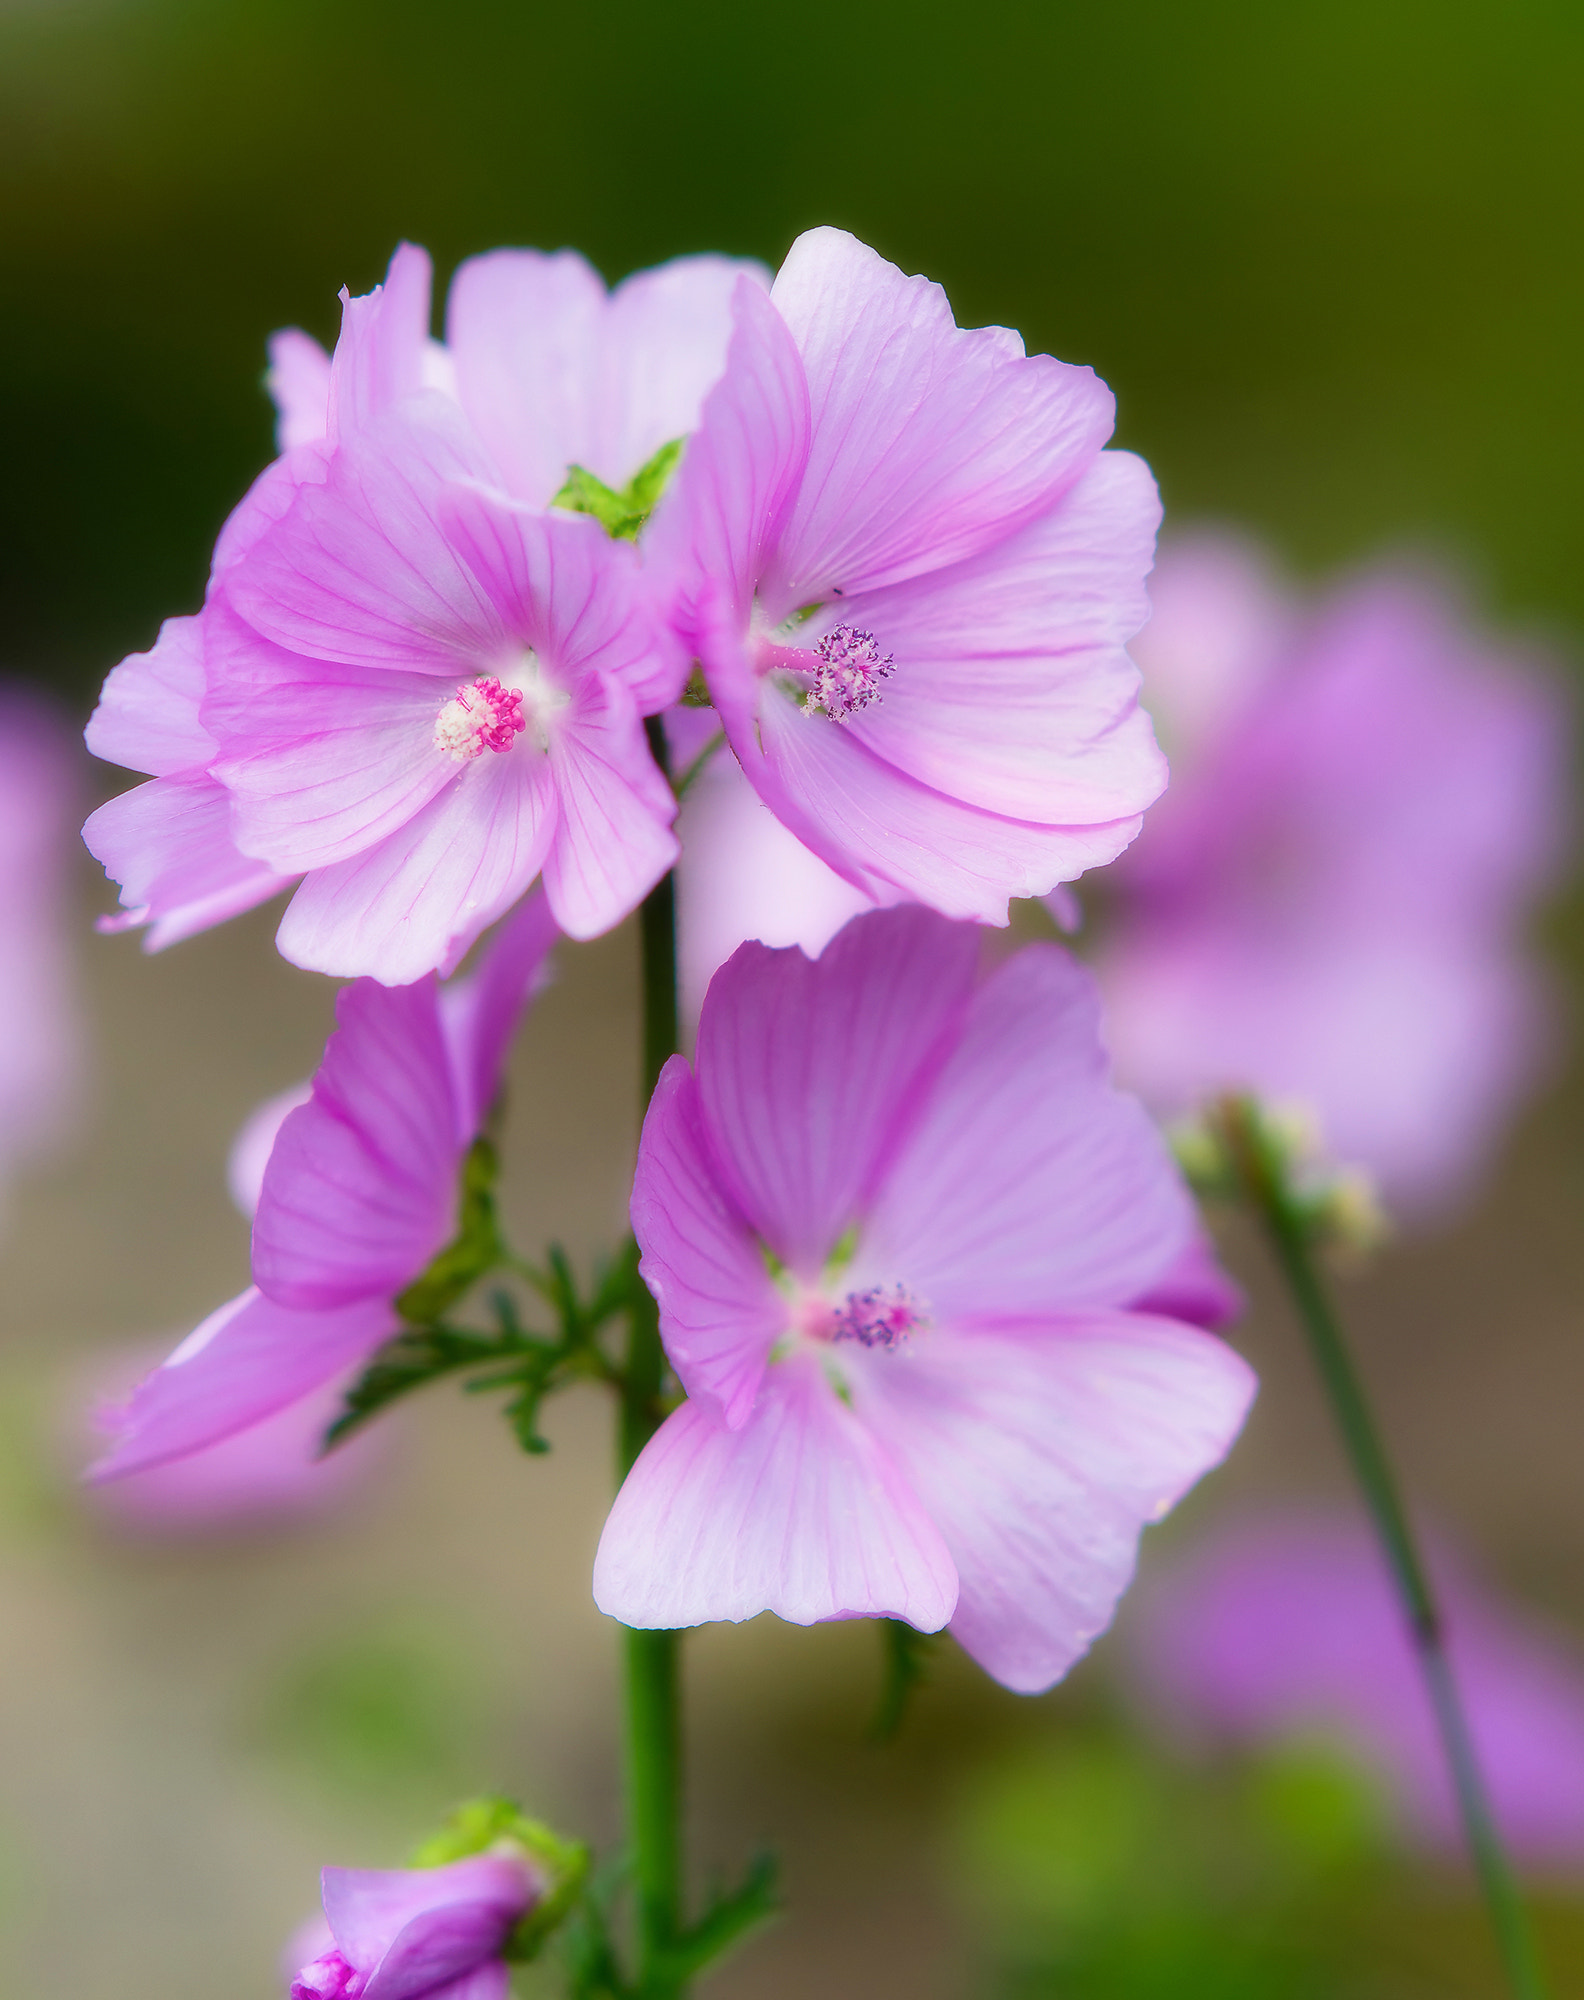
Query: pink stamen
{"points": [[482, 715], [847, 677]]}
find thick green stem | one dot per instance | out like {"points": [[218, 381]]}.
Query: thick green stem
{"points": [[1262, 1174], [652, 1659]]}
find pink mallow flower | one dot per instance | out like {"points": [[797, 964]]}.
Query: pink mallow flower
{"points": [[1288, 1627], [1329, 906], [41, 1043], [894, 1220], [910, 573], [419, 1933], [358, 1194], [449, 708]]}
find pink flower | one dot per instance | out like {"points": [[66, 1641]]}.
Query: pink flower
{"points": [[420, 1933], [1329, 905], [359, 1193], [41, 1053], [402, 686], [1289, 1627], [894, 1220], [910, 573]]}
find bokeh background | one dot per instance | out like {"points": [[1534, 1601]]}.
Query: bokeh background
{"points": [[1329, 257]]}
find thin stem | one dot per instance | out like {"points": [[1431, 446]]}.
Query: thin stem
{"points": [[652, 1659], [1262, 1175]]}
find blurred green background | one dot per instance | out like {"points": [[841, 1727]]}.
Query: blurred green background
{"points": [[1328, 255]]}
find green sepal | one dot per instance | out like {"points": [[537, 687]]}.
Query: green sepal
{"points": [[495, 1825], [621, 514], [475, 1249], [907, 1657]]}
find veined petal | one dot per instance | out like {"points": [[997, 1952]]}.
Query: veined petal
{"points": [[168, 843], [613, 838], [719, 1312], [360, 1189], [810, 1073], [418, 899], [712, 531], [379, 357], [147, 717], [359, 570], [323, 762], [1029, 1184], [1013, 688], [887, 833], [799, 1513], [1041, 1454], [928, 442], [245, 1362]]}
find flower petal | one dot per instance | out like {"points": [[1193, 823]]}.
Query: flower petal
{"points": [[479, 1014], [719, 1312], [360, 1189], [246, 1361], [1030, 1184], [1013, 689], [147, 717], [410, 1930], [418, 899], [379, 357], [613, 838], [798, 1513], [811, 1072], [886, 832], [1041, 1454], [299, 385], [730, 495], [359, 570], [929, 442], [168, 843]]}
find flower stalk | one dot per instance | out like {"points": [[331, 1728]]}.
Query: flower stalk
{"points": [[652, 1658], [1260, 1171]]}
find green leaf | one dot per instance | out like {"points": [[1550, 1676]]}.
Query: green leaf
{"points": [[414, 1358], [621, 514]]}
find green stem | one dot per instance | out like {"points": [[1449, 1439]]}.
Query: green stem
{"points": [[1261, 1171], [652, 1659]]}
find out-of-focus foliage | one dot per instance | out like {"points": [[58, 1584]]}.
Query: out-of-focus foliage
{"points": [[1100, 1871], [1324, 252]]}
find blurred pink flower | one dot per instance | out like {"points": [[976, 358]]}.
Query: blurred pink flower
{"points": [[910, 573], [359, 1193], [1288, 1627], [893, 1220], [41, 1041], [420, 1933], [1329, 905], [267, 1475]]}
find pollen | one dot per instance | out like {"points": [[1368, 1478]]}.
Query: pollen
{"points": [[482, 715], [850, 667], [882, 1316]]}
